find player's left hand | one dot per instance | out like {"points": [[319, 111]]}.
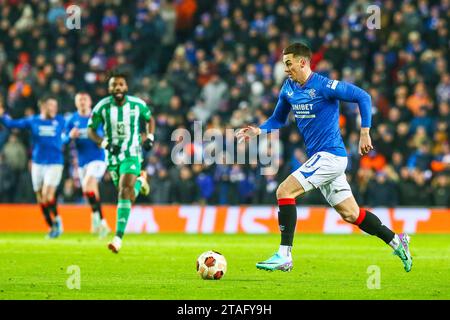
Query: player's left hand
{"points": [[365, 143], [148, 143], [247, 133]]}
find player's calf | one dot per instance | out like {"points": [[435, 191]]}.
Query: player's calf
{"points": [[287, 213], [46, 212], [123, 213], [371, 224], [57, 225], [287, 220], [126, 196], [97, 216]]}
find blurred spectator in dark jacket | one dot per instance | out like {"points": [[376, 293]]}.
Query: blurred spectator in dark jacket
{"points": [[441, 190], [184, 189], [160, 187], [414, 189], [421, 159], [15, 158], [204, 182], [267, 189], [6, 181], [382, 191], [222, 181], [422, 119]]}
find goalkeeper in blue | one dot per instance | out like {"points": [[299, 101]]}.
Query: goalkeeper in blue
{"points": [[47, 158], [314, 101]]}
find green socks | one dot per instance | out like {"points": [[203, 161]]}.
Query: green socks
{"points": [[124, 209], [123, 212]]}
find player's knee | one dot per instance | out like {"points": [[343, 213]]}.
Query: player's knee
{"points": [[47, 197], [126, 192], [88, 189], [280, 192], [283, 191], [89, 184]]}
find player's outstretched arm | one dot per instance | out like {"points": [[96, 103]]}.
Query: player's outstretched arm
{"points": [[277, 120], [23, 123]]}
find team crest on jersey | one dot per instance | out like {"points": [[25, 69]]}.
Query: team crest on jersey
{"points": [[312, 93]]}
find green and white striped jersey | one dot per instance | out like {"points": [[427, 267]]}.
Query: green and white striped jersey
{"points": [[121, 125]]}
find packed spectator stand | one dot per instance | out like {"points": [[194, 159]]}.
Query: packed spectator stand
{"points": [[219, 62]]}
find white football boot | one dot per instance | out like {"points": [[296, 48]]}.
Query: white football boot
{"points": [[115, 244]]}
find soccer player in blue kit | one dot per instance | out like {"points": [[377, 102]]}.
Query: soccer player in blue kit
{"points": [[47, 158], [91, 160], [313, 100]]}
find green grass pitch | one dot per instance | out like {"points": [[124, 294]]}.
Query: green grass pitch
{"points": [[162, 266]]}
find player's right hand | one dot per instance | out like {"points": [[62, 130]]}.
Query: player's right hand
{"points": [[247, 133], [112, 148], [74, 133]]}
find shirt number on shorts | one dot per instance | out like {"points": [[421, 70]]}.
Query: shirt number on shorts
{"points": [[314, 162]]}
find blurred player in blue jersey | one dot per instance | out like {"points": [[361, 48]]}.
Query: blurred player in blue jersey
{"points": [[91, 160], [313, 99], [47, 157]]}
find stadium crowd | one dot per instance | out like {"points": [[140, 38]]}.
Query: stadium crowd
{"points": [[219, 62]]}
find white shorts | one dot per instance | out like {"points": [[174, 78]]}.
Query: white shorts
{"points": [[325, 171], [94, 169], [45, 175]]}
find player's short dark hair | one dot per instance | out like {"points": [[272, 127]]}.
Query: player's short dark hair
{"points": [[116, 74], [45, 98], [299, 49], [82, 92]]}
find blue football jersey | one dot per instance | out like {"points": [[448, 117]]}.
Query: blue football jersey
{"points": [[87, 150], [46, 137], [315, 106]]}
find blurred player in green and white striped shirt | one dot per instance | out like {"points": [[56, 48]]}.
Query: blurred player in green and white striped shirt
{"points": [[120, 115]]}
